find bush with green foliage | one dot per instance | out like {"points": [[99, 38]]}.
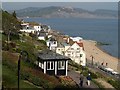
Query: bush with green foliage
{"points": [[114, 83], [42, 41]]}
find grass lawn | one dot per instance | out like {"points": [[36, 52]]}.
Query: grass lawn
{"points": [[10, 79]]}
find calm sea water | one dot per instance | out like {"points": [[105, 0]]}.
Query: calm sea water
{"points": [[102, 30]]}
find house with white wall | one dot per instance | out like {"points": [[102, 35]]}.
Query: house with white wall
{"points": [[42, 35], [25, 25], [26, 28], [76, 39], [62, 47], [37, 28], [52, 43], [75, 52]]}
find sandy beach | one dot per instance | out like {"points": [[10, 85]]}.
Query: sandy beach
{"points": [[99, 56]]}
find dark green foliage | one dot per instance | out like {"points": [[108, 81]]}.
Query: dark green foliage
{"points": [[10, 23], [33, 35], [14, 36], [14, 14], [115, 83], [101, 87], [63, 87], [42, 41], [25, 75]]}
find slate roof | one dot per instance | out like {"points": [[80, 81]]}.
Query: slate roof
{"points": [[50, 55]]}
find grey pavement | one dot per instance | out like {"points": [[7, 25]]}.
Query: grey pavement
{"points": [[76, 77]]}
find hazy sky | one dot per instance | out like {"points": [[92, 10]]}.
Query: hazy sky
{"points": [[60, 0], [84, 5]]}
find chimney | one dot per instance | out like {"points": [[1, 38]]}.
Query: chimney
{"points": [[68, 40]]}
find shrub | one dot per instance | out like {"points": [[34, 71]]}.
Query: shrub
{"points": [[25, 75], [41, 82], [93, 75], [42, 41], [114, 83]]}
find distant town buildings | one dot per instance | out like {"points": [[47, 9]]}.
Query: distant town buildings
{"points": [[54, 62], [41, 31]]}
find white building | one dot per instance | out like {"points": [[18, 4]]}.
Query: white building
{"points": [[37, 28], [26, 28], [62, 48], [25, 25], [42, 35], [76, 39], [52, 44], [75, 52], [49, 36]]}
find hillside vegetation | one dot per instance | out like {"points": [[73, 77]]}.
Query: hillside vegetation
{"points": [[31, 75]]}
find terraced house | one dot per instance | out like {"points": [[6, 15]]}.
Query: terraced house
{"points": [[75, 52]]}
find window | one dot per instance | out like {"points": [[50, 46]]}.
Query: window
{"points": [[54, 42], [68, 51], [72, 48], [69, 55], [61, 64], [78, 48], [81, 55], [77, 51], [50, 65]]}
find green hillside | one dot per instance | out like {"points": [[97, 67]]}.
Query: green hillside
{"points": [[31, 75], [10, 23]]}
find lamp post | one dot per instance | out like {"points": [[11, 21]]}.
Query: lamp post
{"points": [[92, 60], [20, 56], [8, 39]]}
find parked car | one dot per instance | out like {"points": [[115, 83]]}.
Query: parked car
{"points": [[116, 74]]}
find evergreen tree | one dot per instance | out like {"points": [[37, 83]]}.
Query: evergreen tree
{"points": [[14, 14]]}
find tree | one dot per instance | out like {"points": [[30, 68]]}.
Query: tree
{"points": [[14, 14]]}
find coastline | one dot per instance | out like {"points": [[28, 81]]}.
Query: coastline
{"points": [[100, 55]]}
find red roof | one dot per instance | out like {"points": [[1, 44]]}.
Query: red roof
{"points": [[80, 44]]}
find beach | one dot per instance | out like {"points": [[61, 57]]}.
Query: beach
{"points": [[99, 56]]}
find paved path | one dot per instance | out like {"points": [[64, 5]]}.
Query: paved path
{"points": [[75, 76]]}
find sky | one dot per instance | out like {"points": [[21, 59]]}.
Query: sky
{"points": [[59, 0], [91, 5]]}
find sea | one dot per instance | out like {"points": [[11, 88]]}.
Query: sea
{"points": [[100, 30]]}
